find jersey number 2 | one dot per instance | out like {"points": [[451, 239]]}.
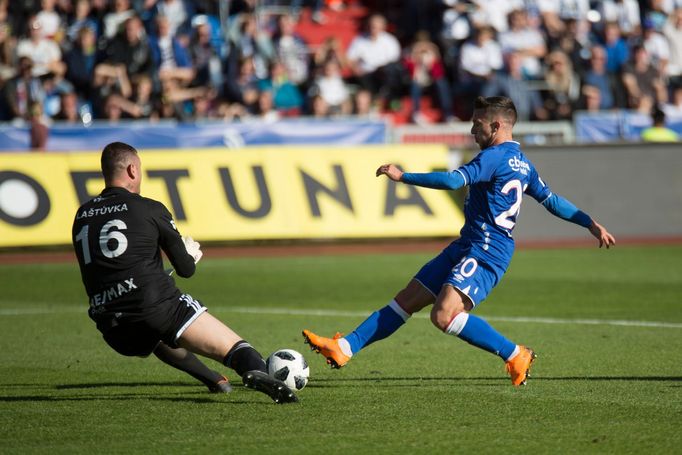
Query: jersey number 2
{"points": [[110, 231], [507, 219]]}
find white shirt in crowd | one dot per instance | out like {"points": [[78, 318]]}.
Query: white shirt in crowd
{"points": [[674, 36], [625, 13], [42, 53], [50, 23], [512, 41], [372, 54], [481, 61]]}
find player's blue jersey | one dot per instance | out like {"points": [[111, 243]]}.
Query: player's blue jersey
{"points": [[497, 178]]}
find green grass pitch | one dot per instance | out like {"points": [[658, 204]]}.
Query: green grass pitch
{"points": [[599, 385]]}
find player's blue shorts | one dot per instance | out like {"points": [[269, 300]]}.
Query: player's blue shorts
{"points": [[464, 267]]}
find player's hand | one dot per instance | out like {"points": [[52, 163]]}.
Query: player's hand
{"points": [[391, 171], [193, 248], [600, 232]]}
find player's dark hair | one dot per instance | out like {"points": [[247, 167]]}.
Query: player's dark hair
{"points": [[497, 105], [115, 158]]}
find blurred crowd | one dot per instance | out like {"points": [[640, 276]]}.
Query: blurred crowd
{"points": [[82, 60]]}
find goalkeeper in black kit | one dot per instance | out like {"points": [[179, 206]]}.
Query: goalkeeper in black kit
{"points": [[118, 237]]}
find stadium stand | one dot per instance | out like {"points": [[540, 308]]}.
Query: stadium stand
{"points": [[405, 61]]}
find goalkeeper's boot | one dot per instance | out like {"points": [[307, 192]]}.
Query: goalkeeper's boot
{"points": [[274, 388], [519, 366], [328, 347], [222, 386]]}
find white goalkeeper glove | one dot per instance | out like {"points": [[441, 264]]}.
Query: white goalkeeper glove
{"points": [[193, 248]]}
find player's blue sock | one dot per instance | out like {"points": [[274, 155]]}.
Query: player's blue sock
{"points": [[478, 332], [377, 326]]}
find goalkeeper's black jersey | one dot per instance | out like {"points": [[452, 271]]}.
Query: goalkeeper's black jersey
{"points": [[118, 237]]}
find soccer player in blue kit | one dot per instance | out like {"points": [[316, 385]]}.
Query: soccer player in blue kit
{"points": [[464, 273]]}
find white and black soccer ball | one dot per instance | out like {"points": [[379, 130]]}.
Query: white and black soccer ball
{"points": [[290, 367]]}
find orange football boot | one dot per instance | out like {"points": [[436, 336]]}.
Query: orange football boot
{"points": [[519, 367], [328, 347]]}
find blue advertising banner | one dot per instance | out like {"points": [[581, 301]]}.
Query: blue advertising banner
{"points": [[209, 134], [621, 125]]}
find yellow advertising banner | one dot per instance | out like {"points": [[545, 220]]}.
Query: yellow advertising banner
{"points": [[245, 194]]}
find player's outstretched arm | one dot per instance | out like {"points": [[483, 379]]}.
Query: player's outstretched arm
{"points": [[391, 171], [436, 180], [601, 234]]}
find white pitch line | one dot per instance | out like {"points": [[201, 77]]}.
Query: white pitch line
{"points": [[355, 314]]}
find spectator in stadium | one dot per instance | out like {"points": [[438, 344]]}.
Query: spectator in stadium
{"points": [[205, 57], [624, 12], [23, 90], [80, 62], [617, 49], [7, 52], [364, 105], [291, 50], [330, 87], [427, 72], [251, 42], [591, 98], [319, 107], [492, 13], [511, 83], [43, 52], [130, 48], [68, 111], [114, 20], [140, 106], [54, 87], [374, 59], [656, 45], [243, 89], [674, 108], [479, 58], [179, 14], [643, 83], [657, 12], [599, 79], [81, 19], [555, 13], [171, 60], [49, 19], [286, 97], [39, 127], [331, 49], [266, 107], [577, 48], [658, 131], [109, 80], [673, 32], [526, 41], [563, 86]]}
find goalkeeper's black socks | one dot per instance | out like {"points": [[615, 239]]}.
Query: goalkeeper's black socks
{"points": [[243, 357]]}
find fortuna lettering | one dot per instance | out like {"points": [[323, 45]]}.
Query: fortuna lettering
{"points": [[519, 166], [114, 292], [102, 211]]}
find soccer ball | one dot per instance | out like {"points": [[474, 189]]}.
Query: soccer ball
{"points": [[289, 367]]}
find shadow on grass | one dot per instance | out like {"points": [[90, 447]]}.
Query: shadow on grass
{"points": [[500, 378], [97, 385], [29, 398], [166, 395]]}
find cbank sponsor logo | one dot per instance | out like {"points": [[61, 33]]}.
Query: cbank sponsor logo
{"points": [[518, 165]]}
